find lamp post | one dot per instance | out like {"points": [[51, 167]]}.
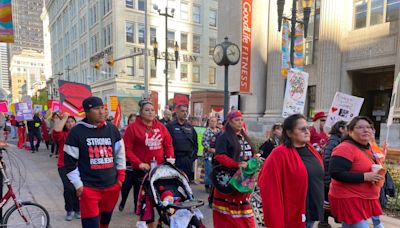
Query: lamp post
{"points": [[155, 46], [307, 4]]}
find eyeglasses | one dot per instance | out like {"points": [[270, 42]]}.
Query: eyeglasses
{"points": [[363, 127], [304, 129]]}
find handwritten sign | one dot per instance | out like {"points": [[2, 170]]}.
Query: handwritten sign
{"points": [[344, 107], [295, 94], [23, 111]]}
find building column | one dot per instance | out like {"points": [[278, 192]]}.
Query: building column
{"points": [[329, 53], [397, 71], [275, 82]]}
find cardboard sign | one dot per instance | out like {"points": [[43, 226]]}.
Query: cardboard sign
{"points": [[113, 102], [200, 131], [23, 111], [296, 91], [344, 107], [3, 106], [37, 108]]}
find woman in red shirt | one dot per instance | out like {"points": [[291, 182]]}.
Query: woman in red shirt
{"points": [[291, 181], [354, 191], [59, 134], [146, 139]]}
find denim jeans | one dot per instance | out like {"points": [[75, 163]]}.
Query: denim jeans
{"points": [[207, 171], [364, 223], [309, 224]]}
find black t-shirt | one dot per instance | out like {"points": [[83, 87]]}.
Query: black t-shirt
{"points": [[315, 193], [224, 146]]}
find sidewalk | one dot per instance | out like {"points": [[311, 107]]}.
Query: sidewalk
{"points": [[43, 185]]}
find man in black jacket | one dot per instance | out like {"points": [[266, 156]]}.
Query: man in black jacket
{"points": [[184, 139], [34, 131]]}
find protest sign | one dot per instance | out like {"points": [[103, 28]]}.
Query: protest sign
{"points": [[23, 111], [295, 94], [344, 107], [200, 131], [72, 95]]}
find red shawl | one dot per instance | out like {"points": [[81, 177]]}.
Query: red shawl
{"points": [[283, 183]]}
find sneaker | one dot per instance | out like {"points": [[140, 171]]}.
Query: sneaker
{"points": [[77, 215], [69, 216], [121, 207]]}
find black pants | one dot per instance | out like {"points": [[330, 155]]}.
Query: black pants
{"points": [[70, 198], [32, 133], [137, 178], [126, 187], [326, 213], [185, 163]]}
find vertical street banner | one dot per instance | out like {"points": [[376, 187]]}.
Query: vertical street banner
{"points": [[299, 48], [295, 94], [344, 107], [23, 111], [72, 95], [6, 24], [245, 61], [285, 56]]}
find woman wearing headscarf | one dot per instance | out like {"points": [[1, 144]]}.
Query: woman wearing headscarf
{"points": [[233, 149]]}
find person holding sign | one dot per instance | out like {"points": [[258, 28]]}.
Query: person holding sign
{"points": [[356, 177]]}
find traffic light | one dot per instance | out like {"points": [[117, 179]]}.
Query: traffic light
{"points": [[110, 62], [97, 66]]}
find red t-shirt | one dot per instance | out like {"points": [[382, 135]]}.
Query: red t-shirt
{"points": [[361, 164], [59, 138], [320, 138]]}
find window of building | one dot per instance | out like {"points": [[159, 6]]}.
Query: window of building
{"points": [[211, 46], [153, 34], [141, 4], [196, 73], [171, 38], [184, 42], [213, 18], [184, 72], [310, 101], [212, 75], [129, 32], [130, 69], [82, 24], [171, 70], [392, 10], [377, 7], [196, 14], [107, 6], [153, 69], [196, 43], [93, 14], [141, 33], [184, 11], [360, 7], [129, 3]]}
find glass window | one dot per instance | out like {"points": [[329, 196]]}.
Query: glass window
{"points": [[153, 69], [196, 43], [129, 32], [361, 7], [184, 72], [184, 41], [141, 33], [171, 70], [376, 12], [141, 5], [196, 73], [211, 75], [213, 18], [196, 14], [153, 34], [392, 10], [211, 46], [129, 3], [171, 39], [184, 11]]}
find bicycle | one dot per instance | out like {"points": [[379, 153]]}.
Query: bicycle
{"points": [[22, 213]]}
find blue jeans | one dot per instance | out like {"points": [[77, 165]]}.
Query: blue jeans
{"points": [[309, 224], [207, 171], [363, 224]]}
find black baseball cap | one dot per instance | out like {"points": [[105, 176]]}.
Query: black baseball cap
{"points": [[91, 102]]}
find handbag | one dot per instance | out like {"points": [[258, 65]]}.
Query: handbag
{"points": [[220, 177]]}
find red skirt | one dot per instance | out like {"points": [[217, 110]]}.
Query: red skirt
{"points": [[354, 210], [232, 210]]}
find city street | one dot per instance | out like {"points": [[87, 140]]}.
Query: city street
{"points": [[44, 186]]}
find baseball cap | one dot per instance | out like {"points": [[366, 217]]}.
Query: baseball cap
{"points": [[91, 102]]}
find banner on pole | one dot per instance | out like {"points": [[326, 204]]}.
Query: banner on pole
{"points": [[6, 24], [245, 61], [285, 55], [295, 93], [344, 107], [393, 101], [299, 48]]}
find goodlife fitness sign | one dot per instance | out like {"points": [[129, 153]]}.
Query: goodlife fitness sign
{"points": [[247, 9]]}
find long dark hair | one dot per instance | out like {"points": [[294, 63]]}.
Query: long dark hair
{"points": [[65, 126], [288, 125], [233, 140], [335, 130]]}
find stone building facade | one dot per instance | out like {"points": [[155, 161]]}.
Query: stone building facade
{"points": [[353, 47]]}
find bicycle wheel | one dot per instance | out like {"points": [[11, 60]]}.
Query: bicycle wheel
{"points": [[35, 214]]}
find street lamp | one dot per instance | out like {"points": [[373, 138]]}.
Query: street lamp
{"points": [[307, 4], [155, 45]]}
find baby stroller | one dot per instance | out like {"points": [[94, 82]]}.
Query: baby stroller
{"points": [[166, 178]]}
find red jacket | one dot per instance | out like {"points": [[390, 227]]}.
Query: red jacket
{"points": [[59, 138], [283, 183], [142, 143]]}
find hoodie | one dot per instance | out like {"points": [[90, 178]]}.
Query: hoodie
{"points": [[143, 143], [94, 155]]}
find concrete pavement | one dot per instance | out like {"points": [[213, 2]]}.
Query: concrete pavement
{"points": [[43, 185]]}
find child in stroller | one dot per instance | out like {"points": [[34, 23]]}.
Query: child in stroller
{"points": [[167, 189]]}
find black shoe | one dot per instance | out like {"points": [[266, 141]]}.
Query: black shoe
{"points": [[33, 151], [121, 207], [50, 155], [324, 225]]}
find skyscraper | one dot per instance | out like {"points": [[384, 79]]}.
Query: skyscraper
{"points": [[4, 73]]}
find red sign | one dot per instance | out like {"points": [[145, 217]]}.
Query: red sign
{"points": [[154, 100], [72, 95], [245, 61]]}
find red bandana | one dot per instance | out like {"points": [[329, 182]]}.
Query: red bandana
{"points": [[233, 115]]}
